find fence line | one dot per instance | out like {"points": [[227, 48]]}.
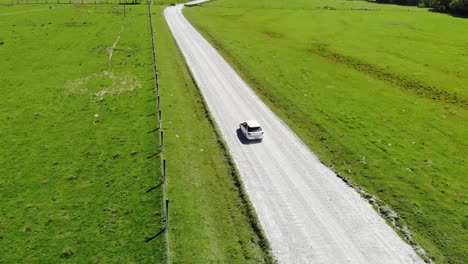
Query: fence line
{"points": [[67, 2], [161, 137]]}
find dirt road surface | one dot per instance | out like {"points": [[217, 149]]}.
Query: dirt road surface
{"points": [[309, 215]]}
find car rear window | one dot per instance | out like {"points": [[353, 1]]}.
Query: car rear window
{"points": [[254, 129]]}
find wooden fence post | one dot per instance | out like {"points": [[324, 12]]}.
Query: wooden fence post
{"points": [[162, 142], [159, 103], [159, 119], [164, 171], [167, 214]]}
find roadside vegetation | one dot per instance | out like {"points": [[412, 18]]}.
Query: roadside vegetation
{"points": [[379, 92], [211, 220], [456, 7], [76, 106]]}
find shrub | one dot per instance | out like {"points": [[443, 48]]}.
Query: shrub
{"points": [[68, 252], [459, 6], [400, 2]]}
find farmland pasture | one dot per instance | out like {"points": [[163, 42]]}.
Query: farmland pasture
{"points": [[378, 92], [73, 126], [79, 145]]}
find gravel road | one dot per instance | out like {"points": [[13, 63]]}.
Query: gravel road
{"points": [[309, 215]]}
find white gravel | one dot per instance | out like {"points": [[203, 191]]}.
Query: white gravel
{"points": [[309, 215]]}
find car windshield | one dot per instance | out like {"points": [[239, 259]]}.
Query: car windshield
{"points": [[254, 129]]}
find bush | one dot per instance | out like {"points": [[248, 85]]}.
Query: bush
{"points": [[428, 3], [452, 6], [459, 6], [400, 2], [68, 252]]}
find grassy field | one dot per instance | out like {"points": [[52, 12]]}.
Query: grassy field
{"points": [[379, 92], [211, 221], [74, 125], [79, 146]]}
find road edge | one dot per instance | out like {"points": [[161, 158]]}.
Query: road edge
{"points": [[243, 195]]}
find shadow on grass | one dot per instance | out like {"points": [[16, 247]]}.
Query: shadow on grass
{"points": [[154, 130], [390, 3], [448, 12], [154, 187], [244, 140], [155, 236], [130, 3], [153, 155]]}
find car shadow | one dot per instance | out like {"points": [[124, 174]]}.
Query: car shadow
{"points": [[244, 140]]}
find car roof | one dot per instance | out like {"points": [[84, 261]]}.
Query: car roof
{"points": [[252, 123]]}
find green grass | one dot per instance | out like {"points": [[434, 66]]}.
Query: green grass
{"points": [[77, 153], [211, 219], [380, 95], [74, 137]]}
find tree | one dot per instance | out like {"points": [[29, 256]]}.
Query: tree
{"points": [[459, 7], [437, 4]]}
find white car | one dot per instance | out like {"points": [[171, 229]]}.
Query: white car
{"points": [[251, 130]]}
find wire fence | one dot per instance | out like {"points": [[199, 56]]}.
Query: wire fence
{"points": [[72, 2], [165, 229]]}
